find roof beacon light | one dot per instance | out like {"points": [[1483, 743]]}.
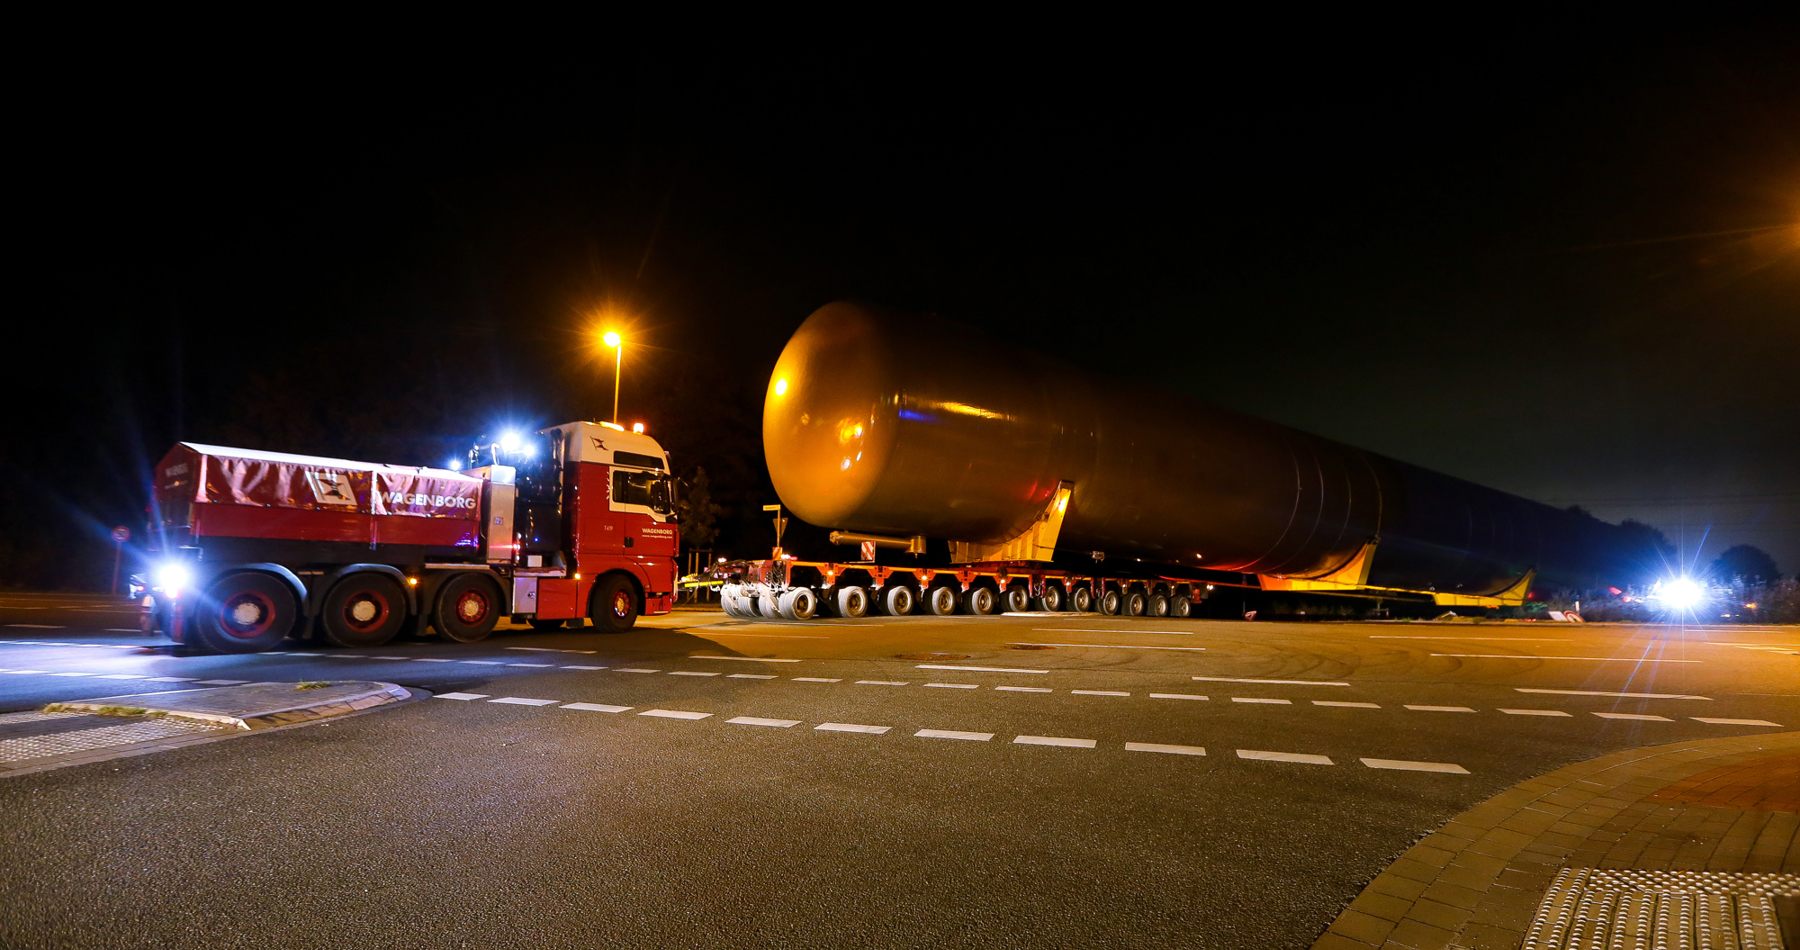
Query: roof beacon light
{"points": [[637, 427]]}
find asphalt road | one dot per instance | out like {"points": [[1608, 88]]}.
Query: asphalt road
{"points": [[995, 796]]}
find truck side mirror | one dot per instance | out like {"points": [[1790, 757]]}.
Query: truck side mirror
{"points": [[662, 496]]}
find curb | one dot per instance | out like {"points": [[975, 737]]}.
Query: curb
{"points": [[1476, 882], [379, 694]]}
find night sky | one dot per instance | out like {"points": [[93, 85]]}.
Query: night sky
{"points": [[1567, 267]]}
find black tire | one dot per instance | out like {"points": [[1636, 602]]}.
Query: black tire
{"points": [[363, 610], [1110, 601], [1052, 600], [244, 613], [1136, 603], [1082, 600], [1017, 599], [850, 602], [1181, 606], [614, 604], [980, 601], [941, 601], [798, 604], [468, 606], [897, 600], [1158, 606]]}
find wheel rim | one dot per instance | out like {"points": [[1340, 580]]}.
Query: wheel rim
{"points": [[247, 614], [902, 601], [855, 602], [366, 610], [984, 600], [1052, 599], [621, 604], [472, 607]]}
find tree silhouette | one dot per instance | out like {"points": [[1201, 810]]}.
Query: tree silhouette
{"points": [[1747, 563]]}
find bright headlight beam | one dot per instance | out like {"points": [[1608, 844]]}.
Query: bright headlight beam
{"points": [[509, 442], [1681, 593]]}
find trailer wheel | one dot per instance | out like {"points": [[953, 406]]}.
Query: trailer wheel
{"points": [[768, 604], [244, 613], [941, 601], [363, 610], [1018, 598], [468, 607], [614, 605], [979, 601], [1082, 600], [1159, 605], [799, 604], [1052, 599], [1181, 606], [897, 601], [737, 604], [1135, 603], [1109, 603], [852, 602]]}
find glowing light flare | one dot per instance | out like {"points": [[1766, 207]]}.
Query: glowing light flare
{"points": [[1680, 593], [172, 578], [611, 339], [509, 442], [455, 465], [781, 386], [637, 427]]}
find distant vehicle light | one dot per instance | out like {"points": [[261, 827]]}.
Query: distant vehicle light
{"points": [[1680, 593], [529, 450], [172, 577], [510, 442], [455, 465]]}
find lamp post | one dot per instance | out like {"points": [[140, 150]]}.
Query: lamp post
{"points": [[612, 339]]}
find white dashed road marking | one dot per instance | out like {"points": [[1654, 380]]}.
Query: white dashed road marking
{"points": [[84, 674], [1596, 659], [1439, 708], [749, 676], [634, 669], [482, 662], [584, 667], [1533, 712], [953, 685], [539, 665], [816, 679], [461, 696], [952, 734], [851, 727], [26, 672], [1230, 679], [746, 659], [756, 721], [1332, 702], [170, 679], [1285, 757], [1054, 740], [1097, 692], [1177, 696], [979, 669], [690, 673], [1736, 722], [1406, 766], [1633, 716], [1260, 699], [432, 659], [1596, 692], [883, 683], [121, 676], [675, 714], [597, 707], [1160, 747], [397, 657], [521, 701], [1023, 689]]}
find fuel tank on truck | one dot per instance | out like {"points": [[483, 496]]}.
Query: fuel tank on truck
{"points": [[907, 424]]}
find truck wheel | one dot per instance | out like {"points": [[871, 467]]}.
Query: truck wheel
{"points": [[1109, 603], [468, 607], [1159, 605], [1135, 603], [897, 601], [1052, 599], [1082, 600], [363, 610], [614, 605], [1181, 606], [799, 604], [979, 601], [768, 604], [1018, 599], [244, 613], [941, 601], [852, 602]]}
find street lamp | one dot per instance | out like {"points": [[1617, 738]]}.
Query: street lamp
{"points": [[612, 339]]}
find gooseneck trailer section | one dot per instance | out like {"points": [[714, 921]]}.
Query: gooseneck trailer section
{"points": [[1058, 488], [252, 547]]}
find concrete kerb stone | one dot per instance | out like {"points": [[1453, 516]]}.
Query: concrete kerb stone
{"points": [[1476, 881], [256, 706]]}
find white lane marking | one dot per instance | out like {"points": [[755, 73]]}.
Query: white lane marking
{"points": [[885, 683], [743, 659], [121, 676], [1230, 679], [1160, 747], [539, 665], [1406, 766], [1178, 696], [90, 674], [1596, 659], [1262, 699], [1285, 757], [1439, 708], [596, 707], [953, 734], [675, 714], [170, 679], [1597, 692], [476, 662], [24, 672], [691, 673], [398, 657], [1331, 702], [634, 669], [220, 682], [1097, 692], [1382, 636], [979, 669], [1110, 646], [1533, 712], [749, 676], [573, 667], [850, 727], [1735, 722], [1633, 716], [464, 696], [551, 650], [426, 659], [1023, 689], [758, 721], [123, 630], [816, 679], [952, 685], [44, 626], [359, 656], [521, 701], [1054, 740], [1180, 633]]}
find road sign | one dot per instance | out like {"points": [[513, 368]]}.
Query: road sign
{"points": [[121, 534]]}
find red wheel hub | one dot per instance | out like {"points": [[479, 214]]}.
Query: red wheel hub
{"points": [[621, 604], [472, 607], [246, 614]]}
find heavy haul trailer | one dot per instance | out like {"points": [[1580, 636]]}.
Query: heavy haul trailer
{"points": [[253, 547], [1046, 481]]}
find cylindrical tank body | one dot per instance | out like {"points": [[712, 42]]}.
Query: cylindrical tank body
{"points": [[892, 423]]}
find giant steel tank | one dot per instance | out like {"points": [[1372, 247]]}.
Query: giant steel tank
{"points": [[904, 424]]}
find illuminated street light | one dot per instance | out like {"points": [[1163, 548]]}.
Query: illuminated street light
{"points": [[612, 339]]}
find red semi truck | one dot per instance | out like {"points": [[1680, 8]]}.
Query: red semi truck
{"points": [[248, 548]]}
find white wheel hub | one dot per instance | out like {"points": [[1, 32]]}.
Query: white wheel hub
{"points": [[363, 610], [247, 614]]}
